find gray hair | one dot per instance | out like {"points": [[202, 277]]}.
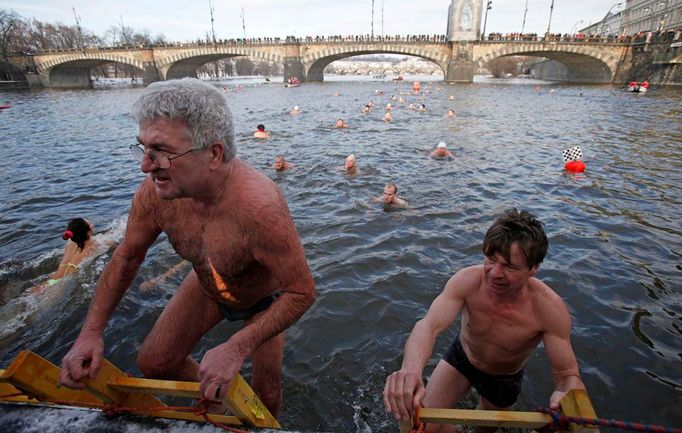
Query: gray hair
{"points": [[202, 106]]}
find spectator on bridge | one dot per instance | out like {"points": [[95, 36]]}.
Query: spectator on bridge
{"points": [[441, 152], [340, 124], [296, 110], [261, 132]]}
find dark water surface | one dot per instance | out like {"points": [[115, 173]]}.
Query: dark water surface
{"points": [[615, 232]]}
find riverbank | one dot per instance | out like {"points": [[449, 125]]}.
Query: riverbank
{"points": [[13, 85]]}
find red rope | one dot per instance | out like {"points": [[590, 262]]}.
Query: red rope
{"points": [[561, 422]]}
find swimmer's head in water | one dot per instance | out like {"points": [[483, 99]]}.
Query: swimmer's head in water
{"points": [[296, 108], [79, 231], [280, 162], [350, 162], [390, 190], [261, 128]]}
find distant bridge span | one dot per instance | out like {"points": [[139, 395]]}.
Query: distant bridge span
{"points": [[594, 62]]}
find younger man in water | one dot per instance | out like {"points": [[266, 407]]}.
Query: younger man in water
{"points": [[247, 259], [506, 313], [390, 196]]}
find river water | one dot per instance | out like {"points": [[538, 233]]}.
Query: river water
{"points": [[615, 234]]}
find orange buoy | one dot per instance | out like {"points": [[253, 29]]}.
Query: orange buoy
{"points": [[575, 166]]}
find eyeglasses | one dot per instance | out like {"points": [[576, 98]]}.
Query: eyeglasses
{"points": [[160, 158]]}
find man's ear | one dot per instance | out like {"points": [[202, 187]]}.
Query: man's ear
{"points": [[217, 152], [534, 270]]}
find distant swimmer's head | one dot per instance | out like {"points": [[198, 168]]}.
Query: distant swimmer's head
{"points": [[280, 163], [79, 230], [260, 128], [201, 106], [340, 123], [296, 108], [390, 191], [442, 145], [351, 162], [451, 113]]}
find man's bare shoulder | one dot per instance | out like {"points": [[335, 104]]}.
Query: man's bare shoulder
{"points": [[258, 196], [466, 281], [550, 307], [145, 196]]}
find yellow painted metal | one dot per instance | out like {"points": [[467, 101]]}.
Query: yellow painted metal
{"points": [[39, 378], [487, 418], [7, 390], [240, 399], [577, 403]]}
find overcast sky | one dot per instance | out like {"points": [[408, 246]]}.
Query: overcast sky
{"points": [[190, 19]]}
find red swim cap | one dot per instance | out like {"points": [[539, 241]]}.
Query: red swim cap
{"points": [[67, 235]]}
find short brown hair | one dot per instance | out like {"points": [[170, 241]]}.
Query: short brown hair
{"points": [[517, 226]]}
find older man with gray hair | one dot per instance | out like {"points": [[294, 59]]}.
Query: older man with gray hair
{"points": [[231, 222]]}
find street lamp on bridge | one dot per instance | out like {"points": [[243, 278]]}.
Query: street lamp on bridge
{"points": [[549, 23], [210, 6], [575, 26], [485, 20], [603, 21]]}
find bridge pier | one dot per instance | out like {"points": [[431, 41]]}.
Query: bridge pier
{"points": [[293, 62], [151, 74], [461, 67]]}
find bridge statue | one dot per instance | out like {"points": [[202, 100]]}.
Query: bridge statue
{"points": [[464, 20]]}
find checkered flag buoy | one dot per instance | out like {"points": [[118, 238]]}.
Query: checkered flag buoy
{"points": [[572, 159]]}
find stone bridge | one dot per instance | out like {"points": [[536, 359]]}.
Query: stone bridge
{"points": [[595, 62]]}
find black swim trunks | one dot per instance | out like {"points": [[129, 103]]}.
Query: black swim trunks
{"points": [[502, 390], [233, 315]]}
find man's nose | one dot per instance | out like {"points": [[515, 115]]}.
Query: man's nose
{"points": [[147, 164], [497, 270]]}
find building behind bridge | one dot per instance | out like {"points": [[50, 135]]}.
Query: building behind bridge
{"points": [[639, 16]]}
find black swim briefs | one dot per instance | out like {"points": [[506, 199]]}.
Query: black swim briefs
{"points": [[502, 390], [233, 315]]}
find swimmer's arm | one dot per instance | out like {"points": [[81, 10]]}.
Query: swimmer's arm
{"points": [[442, 313], [278, 248], [141, 231], [557, 341]]}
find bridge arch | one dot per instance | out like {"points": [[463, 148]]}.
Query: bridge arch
{"points": [[73, 69], [583, 64], [185, 63], [314, 61]]}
